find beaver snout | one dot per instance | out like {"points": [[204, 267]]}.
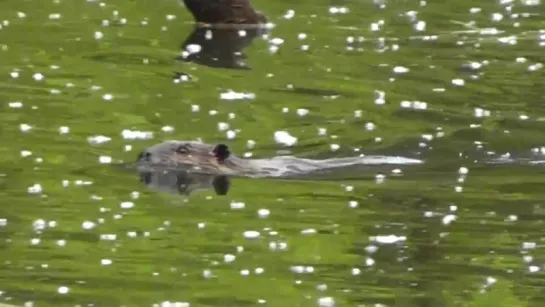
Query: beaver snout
{"points": [[144, 156]]}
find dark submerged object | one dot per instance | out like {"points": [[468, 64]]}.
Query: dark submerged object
{"points": [[224, 12], [220, 47]]}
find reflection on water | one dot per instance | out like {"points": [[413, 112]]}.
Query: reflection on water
{"points": [[184, 182], [220, 47]]}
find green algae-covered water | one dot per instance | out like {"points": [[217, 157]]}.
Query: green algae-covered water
{"points": [[85, 85]]}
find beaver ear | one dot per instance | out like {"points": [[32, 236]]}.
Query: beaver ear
{"points": [[222, 152]]}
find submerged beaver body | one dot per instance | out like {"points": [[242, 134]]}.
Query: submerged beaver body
{"points": [[217, 160]]}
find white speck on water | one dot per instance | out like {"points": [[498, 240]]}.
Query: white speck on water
{"points": [[449, 218], [533, 268], [14, 74], [108, 97], [400, 70], [223, 126], [208, 35], [353, 204], [458, 82], [35, 241], [3, 222], [475, 10], [207, 274], [284, 138], [381, 98], [529, 245], [276, 41], [61, 243], [322, 287], [108, 237], [463, 170], [105, 159], [250, 144], [126, 205], [212, 112], [167, 129], [193, 48], [229, 258], [98, 139], [289, 14], [38, 225], [251, 234], [54, 16], [263, 213], [388, 239], [420, 26], [35, 189], [132, 135], [64, 130], [232, 95], [334, 147], [195, 108], [25, 153], [242, 33], [21, 15], [370, 126], [326, 302], [497, 17], [201, 225], [244, 272], [356, 271], [230, 134], [63, 290], [453, 208], [259, 271], [88, 225], [309, 231], [301, 36], [98, 35], [171, 17], [535, 67], [458, 189], [105, 261], [478, 112], [302, 112], [15, 105], [237, 205], [512, 218], [369, 261], [322, 131], [25, 127]]}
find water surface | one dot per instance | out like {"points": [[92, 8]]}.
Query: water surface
{"points": [[87, 84]]}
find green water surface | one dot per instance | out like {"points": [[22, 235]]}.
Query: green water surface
{"points": [[72, 70]]}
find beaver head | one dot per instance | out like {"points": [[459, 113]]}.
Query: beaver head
{"points": [[188, 155]]}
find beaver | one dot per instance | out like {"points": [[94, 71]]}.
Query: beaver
{"points": [[217, 160], [224, 12]]}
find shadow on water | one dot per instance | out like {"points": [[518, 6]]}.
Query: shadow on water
{"points": [[219, 47], [184, 182]]}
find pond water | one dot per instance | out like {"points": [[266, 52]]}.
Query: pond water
{"points": [[85, 85]]}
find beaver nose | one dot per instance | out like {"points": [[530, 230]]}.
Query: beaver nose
{"points": [[143, 156]]}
